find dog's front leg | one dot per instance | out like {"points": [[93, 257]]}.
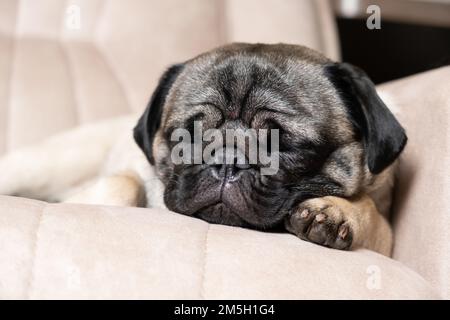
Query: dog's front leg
{"points": [[341, 223], [46, 169], [115, 190]]}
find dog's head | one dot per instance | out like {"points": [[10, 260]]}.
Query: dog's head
{"points": [[334, 132]]}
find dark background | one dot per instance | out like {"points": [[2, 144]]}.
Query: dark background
{"points": [[394, 51]]}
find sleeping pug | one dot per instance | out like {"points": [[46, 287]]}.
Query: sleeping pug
{"points": [[336, 149]]}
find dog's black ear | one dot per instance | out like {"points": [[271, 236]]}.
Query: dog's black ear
{"points": [[383, 137], [145, 130]]}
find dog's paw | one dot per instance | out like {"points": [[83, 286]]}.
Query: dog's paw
{"points": [[321, 221]]}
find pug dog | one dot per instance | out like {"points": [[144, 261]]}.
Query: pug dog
{"points": [[337, 149]]}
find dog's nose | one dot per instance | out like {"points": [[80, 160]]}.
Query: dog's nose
{"points": [[230, 171], [231, 166]]}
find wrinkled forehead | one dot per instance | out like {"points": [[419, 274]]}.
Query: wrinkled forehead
{"points": [[233, 76], [241, 85], [229, 81]]}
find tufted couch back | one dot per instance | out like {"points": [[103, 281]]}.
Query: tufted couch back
{"points": [[65, 63]]}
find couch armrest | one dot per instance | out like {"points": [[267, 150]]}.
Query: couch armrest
{"points": [[421, 208]]}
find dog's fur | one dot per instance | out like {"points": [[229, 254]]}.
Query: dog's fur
{"points": [[338, 146]]}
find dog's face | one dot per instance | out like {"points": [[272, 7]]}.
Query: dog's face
{"points": [[335, 133]]}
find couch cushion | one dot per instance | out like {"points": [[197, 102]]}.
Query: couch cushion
{"points": [[81, 251], [56, 73], [54, 86]]}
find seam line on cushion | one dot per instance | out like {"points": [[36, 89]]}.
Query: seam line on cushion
{"points": [[205, 260], [327, 24], [97, 45], [8, 113], [98, 21], [319, 26], [34, 253], [222, 19], [115, 74], [73, 82]]}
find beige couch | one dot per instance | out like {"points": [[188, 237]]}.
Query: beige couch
{"points": [[56, 74]]}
